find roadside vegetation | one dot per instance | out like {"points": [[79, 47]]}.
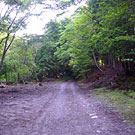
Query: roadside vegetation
{"points": [[121, 101]]}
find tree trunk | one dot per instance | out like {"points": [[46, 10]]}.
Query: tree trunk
{"points": [[6, 47], [6, 73], [2, 60], [96, 63]]}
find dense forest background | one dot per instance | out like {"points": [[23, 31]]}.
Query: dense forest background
{"points": [[98, 39]]}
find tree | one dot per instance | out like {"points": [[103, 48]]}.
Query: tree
{"points": [[45, 59], [20, 62], [13, 17], [103, 30], [98, 34], [11, 21]]}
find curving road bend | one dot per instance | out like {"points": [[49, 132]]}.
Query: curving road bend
{"points": [[59, 109]]}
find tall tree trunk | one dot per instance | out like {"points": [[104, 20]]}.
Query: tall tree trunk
{"points": [[2, 60]]}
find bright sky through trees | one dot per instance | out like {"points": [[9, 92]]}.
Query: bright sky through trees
{"points": [[37, 23]]}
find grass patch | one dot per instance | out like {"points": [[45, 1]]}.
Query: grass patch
{"points": [[120, 100]]}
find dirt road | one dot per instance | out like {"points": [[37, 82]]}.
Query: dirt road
{"points": [[57, 109]]}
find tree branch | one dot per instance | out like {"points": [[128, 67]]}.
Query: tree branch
{"points": [[10, 42], [6, 42], [12, 21], [2, 40], [96, 62]]}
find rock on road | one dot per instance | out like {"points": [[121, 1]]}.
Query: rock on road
{"points": [[59, 109]]}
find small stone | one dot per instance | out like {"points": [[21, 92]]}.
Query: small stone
{"points": [[94, 117], [98, 131], [91, 114]]}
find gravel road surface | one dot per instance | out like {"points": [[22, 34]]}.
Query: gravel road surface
{"points": [[57, 109]]}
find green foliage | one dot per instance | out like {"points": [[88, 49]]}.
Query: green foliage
{"points": [[102, 28], [100, 33], [45, 60], [122, 103], [19, 63]]}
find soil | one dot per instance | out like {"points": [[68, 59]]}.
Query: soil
{"points": [[99, 79], [56, 109]]}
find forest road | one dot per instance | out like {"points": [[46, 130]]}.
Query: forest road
{"points": [[58, 109]]}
